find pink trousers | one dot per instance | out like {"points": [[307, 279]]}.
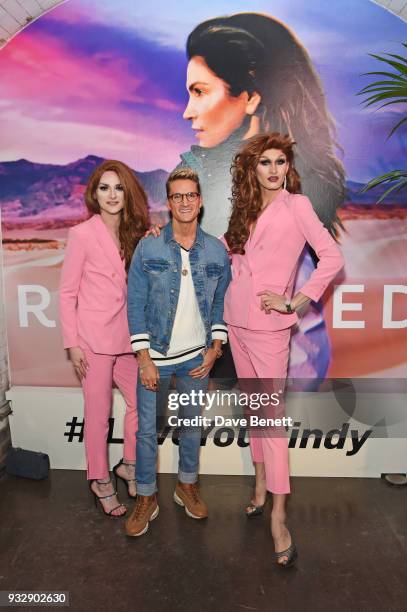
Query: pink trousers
{"points": [[264, 355], [97, 391]]}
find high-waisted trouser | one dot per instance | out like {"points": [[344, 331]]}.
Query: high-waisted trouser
{"points": [[97, 390], [264, 355]]}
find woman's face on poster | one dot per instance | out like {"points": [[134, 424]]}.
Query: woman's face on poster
{"points": [[213, 112]]}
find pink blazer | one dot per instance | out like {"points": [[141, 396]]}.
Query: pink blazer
{"points": [[271, 262], [93, 291]]}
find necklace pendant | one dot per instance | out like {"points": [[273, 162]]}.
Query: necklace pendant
{"points": [[184, 272]]}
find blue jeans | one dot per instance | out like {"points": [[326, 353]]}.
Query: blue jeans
{"points": [[151, 405]]}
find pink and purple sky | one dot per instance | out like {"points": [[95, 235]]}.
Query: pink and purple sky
{"points": [[108, 79]]}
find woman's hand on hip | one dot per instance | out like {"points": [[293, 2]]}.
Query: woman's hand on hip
{"points": [[272, 301], [79, 362]]}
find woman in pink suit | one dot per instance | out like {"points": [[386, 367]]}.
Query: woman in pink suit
{"points": [[269, 226], [93, 311]]}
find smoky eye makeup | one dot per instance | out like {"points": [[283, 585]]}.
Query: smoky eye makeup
{"points": [[266, 161], [104, 187]]}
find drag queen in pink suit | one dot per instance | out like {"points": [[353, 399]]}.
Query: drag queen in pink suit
{"points": [[269, 226], [93, 312]]}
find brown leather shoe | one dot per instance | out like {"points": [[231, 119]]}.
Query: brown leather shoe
{"points": [[145, 510], [187, 495]]}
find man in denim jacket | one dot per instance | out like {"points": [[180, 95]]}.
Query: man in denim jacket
{"points": [[176, 287]]}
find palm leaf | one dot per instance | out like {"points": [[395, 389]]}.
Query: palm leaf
{"points": [[399, 57], [387, 92], [398, 177], [391, 75], [396, 65], [398, 124], [400, 84]]}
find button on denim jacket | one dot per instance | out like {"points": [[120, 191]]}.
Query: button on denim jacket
{"points": [[154, 284]]}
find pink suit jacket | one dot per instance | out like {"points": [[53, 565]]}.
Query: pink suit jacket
{"points": [[271, 260], [93, 291]]}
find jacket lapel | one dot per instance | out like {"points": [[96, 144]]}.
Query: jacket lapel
{"points": [[268, 218], [108, 247]]}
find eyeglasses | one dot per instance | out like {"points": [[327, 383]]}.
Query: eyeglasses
{"points": [[177, 198]]}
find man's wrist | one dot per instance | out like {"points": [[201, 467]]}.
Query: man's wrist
{"points": [[143, 358], [144, 365], [216, 346]]}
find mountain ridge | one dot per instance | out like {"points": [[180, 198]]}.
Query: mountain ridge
{"points": [[44, 195]]}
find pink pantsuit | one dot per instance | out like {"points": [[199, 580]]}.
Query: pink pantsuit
{"points": [[260, 341], [93, 312]]}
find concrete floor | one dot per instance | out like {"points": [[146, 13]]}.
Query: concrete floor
{"points": [[351, 536]]}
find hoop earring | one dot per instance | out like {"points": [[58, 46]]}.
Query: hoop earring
{"points": [[285, 182]]}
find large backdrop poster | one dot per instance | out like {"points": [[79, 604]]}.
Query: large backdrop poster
{"points": [[96, 79]]}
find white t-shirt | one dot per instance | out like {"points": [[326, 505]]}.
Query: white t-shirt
{"points": [[188, 332]]}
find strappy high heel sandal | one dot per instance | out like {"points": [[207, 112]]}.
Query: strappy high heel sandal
{"points": [[291, 553], [97, 497], [125, 480], [251, 510]]}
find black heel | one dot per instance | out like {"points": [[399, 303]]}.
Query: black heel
{"points": [[95, 497], [251, 510], [291, 553], [98, 498], [125, 480]]}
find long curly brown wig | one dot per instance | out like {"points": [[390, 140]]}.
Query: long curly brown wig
{"points": [[246, 195], [134, 216]]}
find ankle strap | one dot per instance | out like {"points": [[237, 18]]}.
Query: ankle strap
{"points": [[102, 482]]}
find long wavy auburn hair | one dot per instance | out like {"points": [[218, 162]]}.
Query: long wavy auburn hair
{"points": [[246, 194], [134, 216]]}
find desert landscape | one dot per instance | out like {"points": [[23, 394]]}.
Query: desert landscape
{"points": [[40, 202]]}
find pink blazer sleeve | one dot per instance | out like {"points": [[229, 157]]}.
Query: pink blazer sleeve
{"points": [[71, 275], [330, 257]]}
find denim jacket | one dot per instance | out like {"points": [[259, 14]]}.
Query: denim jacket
{"points": [[154, 285]]}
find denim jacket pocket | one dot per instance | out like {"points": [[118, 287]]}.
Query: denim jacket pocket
{"points": [[156, 266], [213, 270]]}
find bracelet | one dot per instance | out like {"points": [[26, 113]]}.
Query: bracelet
{"points": [[142, 366], [218, 351], [288, 307]]}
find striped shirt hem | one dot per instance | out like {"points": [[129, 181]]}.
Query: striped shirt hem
{"points": [[161, 360]]}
